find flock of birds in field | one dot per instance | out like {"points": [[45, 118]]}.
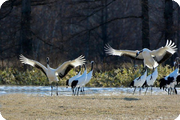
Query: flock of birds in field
{"points": [[150, 58]]}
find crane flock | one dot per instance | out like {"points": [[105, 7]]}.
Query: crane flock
{"points": [[151, 60]]}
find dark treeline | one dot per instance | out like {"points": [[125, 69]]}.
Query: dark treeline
{"points": [[65, 29]]}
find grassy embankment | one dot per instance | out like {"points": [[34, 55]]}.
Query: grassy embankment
{"points": [[111, 78]]}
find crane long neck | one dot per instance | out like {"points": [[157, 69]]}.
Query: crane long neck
{"points": [[79, 68], [47, 62], [92, 66], [48, 66], [85, 68]]}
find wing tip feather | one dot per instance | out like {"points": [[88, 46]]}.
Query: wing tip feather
{"points": [[171, 45], [108, 49]]}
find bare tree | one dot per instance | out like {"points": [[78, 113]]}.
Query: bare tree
{"points": [[26, 38], [104, 27], [68, 28], [145, 24], [168, 15], [169, 32], [178, 30]]}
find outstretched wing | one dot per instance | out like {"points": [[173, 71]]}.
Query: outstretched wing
{"points": [[110, 51], [163, 53], [33, 63], [67, 66]]}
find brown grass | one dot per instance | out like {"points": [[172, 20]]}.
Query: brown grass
{"points": [[123, 107]]}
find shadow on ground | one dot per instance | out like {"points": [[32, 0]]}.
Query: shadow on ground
{"points": [[131, 99]]}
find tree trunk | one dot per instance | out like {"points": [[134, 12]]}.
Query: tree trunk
{"points": [[145, 24], [104, 30], [104, 26], [178, 31], [168, 15], [26, 39], [88, 34], [1, 47], [169, 34]]}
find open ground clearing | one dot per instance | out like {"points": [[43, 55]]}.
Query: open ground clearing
{"points": [[121, 107]]}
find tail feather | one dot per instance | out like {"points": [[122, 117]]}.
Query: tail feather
{"points": [[132, 84], [145, 84], [67, 82]]}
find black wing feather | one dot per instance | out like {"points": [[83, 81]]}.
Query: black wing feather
{"points": [[165, 57], [145, 84], [74, 83], [132, 84], [178, 79], [67, 82], [66, 71], [39, 67], [132, 57]]}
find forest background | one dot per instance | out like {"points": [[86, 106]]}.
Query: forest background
{"points": [[65, 29]]}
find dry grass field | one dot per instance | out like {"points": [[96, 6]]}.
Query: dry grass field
{"points": [[95, 107]]}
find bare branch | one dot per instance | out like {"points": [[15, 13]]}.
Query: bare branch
{"points": [[42, 2], [44, 41], [97, 11], [93, 28]]}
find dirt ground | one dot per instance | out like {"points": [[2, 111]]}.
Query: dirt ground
{"points": [[95, 107]]}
